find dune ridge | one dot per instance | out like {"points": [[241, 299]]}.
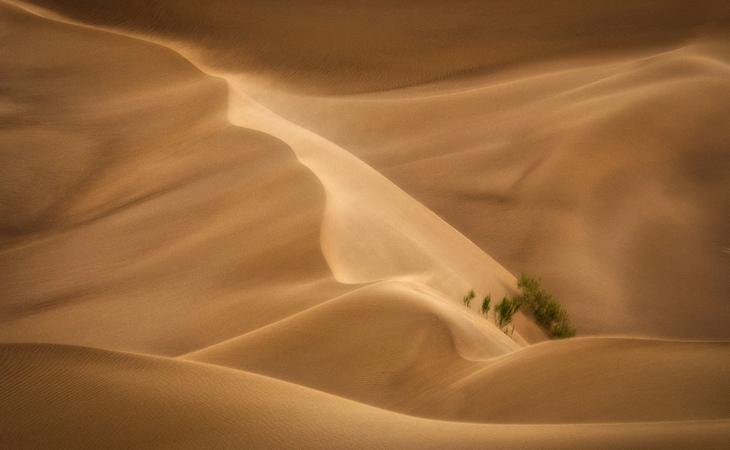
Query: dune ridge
{"points": [[575, 170], [363, 208]]}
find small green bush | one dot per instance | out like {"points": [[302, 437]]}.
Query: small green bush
{"points": [[544, 307], [468, 297], [548, 313], [563, 330], [485, 305], [505, 310]]}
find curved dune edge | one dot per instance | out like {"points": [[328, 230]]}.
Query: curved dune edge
{"points": [[371, 230], [48, 315], [579, 380], [56, 396], [603, 175], [135, 199], [643, 133]]}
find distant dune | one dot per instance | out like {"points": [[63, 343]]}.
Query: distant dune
{"points": [[250, 224]]}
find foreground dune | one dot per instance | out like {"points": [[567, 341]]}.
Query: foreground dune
{"points": [[119, 400], [209, 241], [584, 380]]}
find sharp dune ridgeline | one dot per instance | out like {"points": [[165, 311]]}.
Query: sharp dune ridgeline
{"points": [[250, 224]]}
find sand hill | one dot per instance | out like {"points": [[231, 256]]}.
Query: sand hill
{"points": [[250, 224]]}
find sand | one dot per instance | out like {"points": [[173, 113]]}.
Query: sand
{"points": [[232, 224]]}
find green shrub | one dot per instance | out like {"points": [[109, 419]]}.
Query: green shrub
{"points": [[544, 307], [505, 310], [548, 313], [485, 305], [468, 297], [563, 330], [528, 284]]}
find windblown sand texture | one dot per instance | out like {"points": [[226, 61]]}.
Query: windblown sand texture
{"points": [[249, 224]]}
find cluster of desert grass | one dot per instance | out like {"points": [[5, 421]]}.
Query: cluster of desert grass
{"points": [[536, 301]]}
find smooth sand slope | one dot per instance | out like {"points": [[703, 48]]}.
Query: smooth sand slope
{"points": [[129, 199], [199, 247], [359, 46], [579, 140], [72, 397], [606, 177]]}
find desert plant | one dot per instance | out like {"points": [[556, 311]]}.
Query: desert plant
{"points": [[505, 310], [545, 308], [528, 284], [485, 305], [468, 297], [563, 330]]}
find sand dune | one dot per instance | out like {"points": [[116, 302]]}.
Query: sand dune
{"points": [[541, 132], [437, 372], [119, 400], [355, 46], [169, 207], [580, 172], [250, 224]]}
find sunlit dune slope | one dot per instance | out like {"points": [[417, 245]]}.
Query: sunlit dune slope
{"points": [[587, 380], [57, 396], [397, 346], [451, 368]]}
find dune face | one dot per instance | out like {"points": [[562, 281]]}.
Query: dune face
{"points": [[361, 46], [580, 140], [250, 224], [132, 401], [159, 206], [606, 177]]}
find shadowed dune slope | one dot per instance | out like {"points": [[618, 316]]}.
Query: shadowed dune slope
{"points": [[348, 46], [134, 215], [51, 395]]}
